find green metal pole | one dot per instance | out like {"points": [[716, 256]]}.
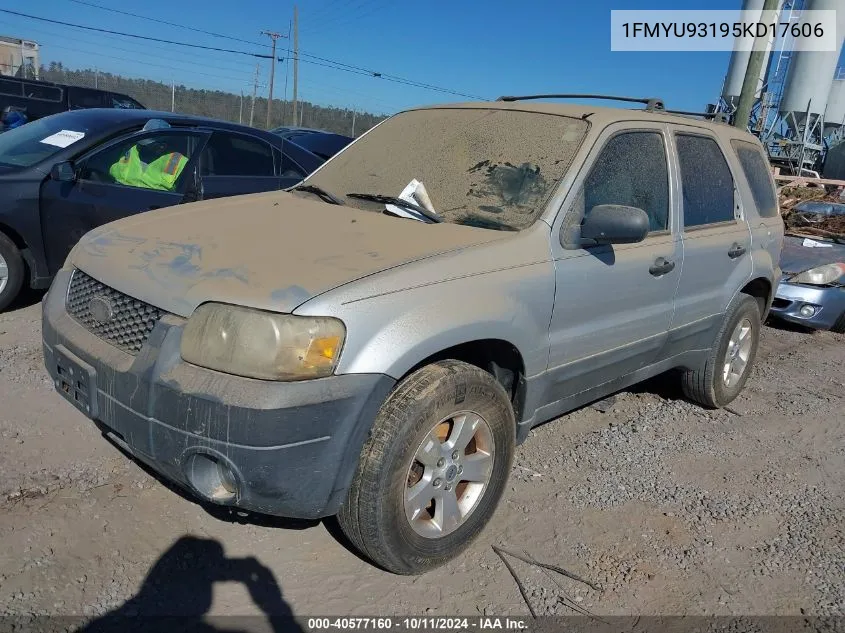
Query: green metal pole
{"points": [[752, 74]]}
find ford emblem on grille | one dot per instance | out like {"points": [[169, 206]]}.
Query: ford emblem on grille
{"points": [[101, 309]]}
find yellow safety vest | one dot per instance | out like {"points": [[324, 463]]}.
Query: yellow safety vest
{"points": [[162, 173]]}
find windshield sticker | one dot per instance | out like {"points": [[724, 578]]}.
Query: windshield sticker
{"points": [[63, 138]]}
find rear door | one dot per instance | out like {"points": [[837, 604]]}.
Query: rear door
{"points": [[765, 221], [715, 236], [70, 209], [234, 164]]}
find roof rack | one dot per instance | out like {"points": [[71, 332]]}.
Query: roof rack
{"points": [[718, 117], [652, 103]]}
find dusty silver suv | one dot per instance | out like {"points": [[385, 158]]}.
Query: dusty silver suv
{"points": [[375, 342]]}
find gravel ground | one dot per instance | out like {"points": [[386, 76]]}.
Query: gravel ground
{"points": [[669, 508]]}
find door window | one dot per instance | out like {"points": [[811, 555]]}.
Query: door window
{"points": [[706, 181], [85, 98], [756, 170], [40, 91], [146, 161], [237, 155], [631, 170]]}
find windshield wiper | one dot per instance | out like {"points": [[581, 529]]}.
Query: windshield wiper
{"points": [[325, 195], [399, 202]]}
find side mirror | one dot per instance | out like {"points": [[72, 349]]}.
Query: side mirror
{"points": [[63, 172], [614, 224]]}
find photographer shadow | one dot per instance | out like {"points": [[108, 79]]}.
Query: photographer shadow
{"points": [[177, 594]]}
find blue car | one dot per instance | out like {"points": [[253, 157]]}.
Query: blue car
{"points": [[56, 181], [812, 290]]}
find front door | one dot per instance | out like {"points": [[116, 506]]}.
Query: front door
{"points": [[70, 209], [613, 304], [716, 238]]}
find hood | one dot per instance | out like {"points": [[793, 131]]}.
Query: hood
{"points": [[796, 258], [272, 251]]}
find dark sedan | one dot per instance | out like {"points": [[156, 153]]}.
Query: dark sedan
{"points": [[59, 178], [323, 144]]}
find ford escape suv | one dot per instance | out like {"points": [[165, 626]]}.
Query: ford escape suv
{"points": [[374, 342]]}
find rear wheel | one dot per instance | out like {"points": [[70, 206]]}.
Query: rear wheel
{"points": [[11, 271], [433, 470], [724, 374]]}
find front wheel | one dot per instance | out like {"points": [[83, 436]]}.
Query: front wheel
{"points": [[433, 470], [11, 271]]}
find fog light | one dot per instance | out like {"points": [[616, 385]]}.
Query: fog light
{"points": [[212, 477], [807, 311]]}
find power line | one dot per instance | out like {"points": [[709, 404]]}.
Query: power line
{"points": [[329, 63], [144, 63], [169, 58], [181, 26], [140, 37]]}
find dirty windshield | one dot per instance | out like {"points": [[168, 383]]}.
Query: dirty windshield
{"points": [[39, 140], [480, 167]]}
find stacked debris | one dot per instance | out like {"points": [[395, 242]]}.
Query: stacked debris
{"points": [[814, 208]]}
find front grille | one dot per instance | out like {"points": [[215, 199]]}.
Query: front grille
{"points": [[131, 320]]}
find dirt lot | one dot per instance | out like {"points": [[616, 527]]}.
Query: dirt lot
{"points": [[671, 508]]}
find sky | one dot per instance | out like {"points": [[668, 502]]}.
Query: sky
{"points": [[482, 49]]}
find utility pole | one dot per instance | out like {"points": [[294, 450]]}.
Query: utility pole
{"points": [[173, 95], [96, 78], [752, 74], [273, 37], [254, 90], [353, 123], [241, 109], [287, 72], [295, 58]]}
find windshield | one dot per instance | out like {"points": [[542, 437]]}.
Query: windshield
{"points": [[38, 140], [481, 167]]}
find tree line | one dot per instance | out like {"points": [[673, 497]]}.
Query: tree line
{"points": [[217, 104]]}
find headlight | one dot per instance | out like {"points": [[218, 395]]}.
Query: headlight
{"points": [[259, 344], [820, 275]]}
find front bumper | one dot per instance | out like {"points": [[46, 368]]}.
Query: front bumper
{"points": [[828, 304], [291, 448]]}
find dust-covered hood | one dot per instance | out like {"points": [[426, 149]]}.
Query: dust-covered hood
{"points": [[272, 250]]}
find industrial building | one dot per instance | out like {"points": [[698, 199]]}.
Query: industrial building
{"points": [[18, 58], [799, 113]]}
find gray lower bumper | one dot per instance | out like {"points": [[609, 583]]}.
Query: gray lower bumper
{"points": [[292, 447], [828, 304]]}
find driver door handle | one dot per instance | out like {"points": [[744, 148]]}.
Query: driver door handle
{"points": [[661, 266], [737, 250]]}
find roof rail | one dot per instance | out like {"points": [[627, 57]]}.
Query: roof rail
{"points": [[718, 117], [652, 103]]}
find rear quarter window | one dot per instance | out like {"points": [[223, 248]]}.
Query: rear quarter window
{"points": [[11, 88], [756, 170]]}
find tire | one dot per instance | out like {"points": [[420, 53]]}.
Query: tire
{"points": [[444, 397], [707, 385], [12, 271], [839, 326]]}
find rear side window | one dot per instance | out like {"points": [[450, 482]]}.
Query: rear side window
{"points": [[756, 170], [11, 88], [40, 91], [235, 155], [706, 181], [631, 170]]}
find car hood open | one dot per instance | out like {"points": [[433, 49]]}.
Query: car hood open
{"points": [[270, 251]]}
